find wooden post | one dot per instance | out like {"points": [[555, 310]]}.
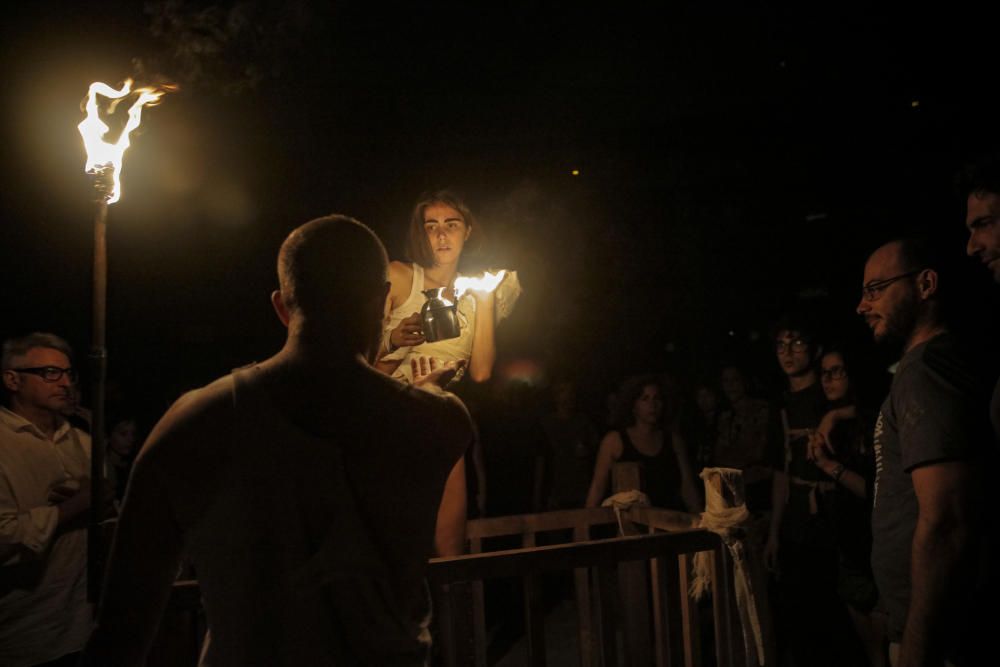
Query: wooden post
{"points": [[99, 369]]}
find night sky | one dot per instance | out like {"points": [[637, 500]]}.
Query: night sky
{"points": [[730, 164]]}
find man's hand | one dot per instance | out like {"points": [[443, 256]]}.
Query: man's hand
{"points": [[408, 333], [72, 497], [429, 371]]}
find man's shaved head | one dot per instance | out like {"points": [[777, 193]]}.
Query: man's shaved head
{"points": [[331, 271]]}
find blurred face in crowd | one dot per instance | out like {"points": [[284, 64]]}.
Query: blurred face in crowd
{"points": [[648, 408], [794, 352], [733, 385], [122, 438], [983, 221], [706, 400], [833, 376], [34, 392], [889, 301]]}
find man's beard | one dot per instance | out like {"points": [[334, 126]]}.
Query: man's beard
{"points": [[899, 324]]}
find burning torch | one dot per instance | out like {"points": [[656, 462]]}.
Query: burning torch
{"points": [[104, 162]]}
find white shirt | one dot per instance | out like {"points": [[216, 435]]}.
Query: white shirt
{"points": [[44, 612]]}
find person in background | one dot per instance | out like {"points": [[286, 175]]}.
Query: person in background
{"points": [[665, 470], [44, 499], [844, 453], [742, 438], [931, 439], [572, 446]]}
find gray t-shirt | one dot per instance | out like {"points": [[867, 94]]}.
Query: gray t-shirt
{"points": [[933, 413]]}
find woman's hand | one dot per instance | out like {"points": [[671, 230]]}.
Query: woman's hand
{"points": [[408, 333], [819, 449]]}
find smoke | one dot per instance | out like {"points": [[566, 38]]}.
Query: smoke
{"points": [[229, 47]]}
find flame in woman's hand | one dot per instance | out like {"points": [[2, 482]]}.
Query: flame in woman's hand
{"points": [[484, 283], [101, 154]]}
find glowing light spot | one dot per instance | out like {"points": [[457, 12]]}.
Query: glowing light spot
{"points": [[914, 104], [575, 172]]}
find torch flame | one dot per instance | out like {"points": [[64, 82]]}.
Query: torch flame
{"points": [[485, 283], [103, 155]]}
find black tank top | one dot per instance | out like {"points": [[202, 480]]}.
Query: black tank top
{"points": [[660, 475]]}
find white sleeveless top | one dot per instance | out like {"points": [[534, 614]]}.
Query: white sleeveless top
{"points": [[451, 349]]}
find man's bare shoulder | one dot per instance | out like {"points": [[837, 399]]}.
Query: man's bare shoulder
{"points": [[197, 417], [439, 415]]}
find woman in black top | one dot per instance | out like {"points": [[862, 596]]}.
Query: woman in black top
{"points": [[841, 448], [666, 474]]}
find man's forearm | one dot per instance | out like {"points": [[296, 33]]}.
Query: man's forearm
{"points": [[939, 549]]}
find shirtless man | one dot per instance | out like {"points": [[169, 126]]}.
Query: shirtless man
{"points": [[309, 490]]}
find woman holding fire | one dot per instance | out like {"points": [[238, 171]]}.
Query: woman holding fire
{"points": [[441, 227]]}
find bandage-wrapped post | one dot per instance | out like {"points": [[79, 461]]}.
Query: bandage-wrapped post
{"points": [[726, 515]]}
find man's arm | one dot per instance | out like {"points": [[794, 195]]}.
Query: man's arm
{"points": [[181, 451], [449, 534], [940, 549]]}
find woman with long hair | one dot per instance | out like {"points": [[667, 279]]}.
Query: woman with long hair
{"points": [[665, 469], [441, 230], [842, 449]]}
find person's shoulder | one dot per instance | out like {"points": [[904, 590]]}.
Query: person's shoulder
{"points": [[400, 270], [942, 361], [198, 416]]}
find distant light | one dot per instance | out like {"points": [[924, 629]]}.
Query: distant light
{"points": [[732, 333], [575, 172], [914, 104], [781, 64]]}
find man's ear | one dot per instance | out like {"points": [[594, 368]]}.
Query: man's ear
{"points": [[927, 283], [280, 308], [11, 381]]}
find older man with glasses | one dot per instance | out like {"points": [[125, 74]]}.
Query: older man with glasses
{"points": [[44, 498]]}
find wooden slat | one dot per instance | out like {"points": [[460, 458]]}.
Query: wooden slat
{"points": [[721, 611], [690, 618], [534, 622], [633, 586], [518, 524], [479, 622], [584, 610], [605, 618], [519, 562], [668, 627]]}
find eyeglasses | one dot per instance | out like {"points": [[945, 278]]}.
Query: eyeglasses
{"points": [[797, 345], [49, 373], [873, 291], [834, 373]]}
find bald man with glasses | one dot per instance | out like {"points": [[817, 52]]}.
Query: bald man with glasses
{"points": [[44, 498]]}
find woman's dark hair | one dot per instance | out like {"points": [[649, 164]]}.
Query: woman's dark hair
{"points": [[417, 247], [628, 394], [847, 357]]}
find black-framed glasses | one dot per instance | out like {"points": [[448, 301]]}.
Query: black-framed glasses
{"points": [[873, 290], [833, 373], [49, 373], [797, 345]]}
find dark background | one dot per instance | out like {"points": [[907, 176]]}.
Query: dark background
{"points": [[732, 163]]}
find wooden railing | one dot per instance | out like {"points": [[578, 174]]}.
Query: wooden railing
{"points": [[649, 567]]}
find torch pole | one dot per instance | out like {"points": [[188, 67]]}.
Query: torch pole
{"points": [[99, 367]]}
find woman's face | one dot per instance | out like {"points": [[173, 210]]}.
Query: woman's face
{"points": [[733, 385], [833, 376], [122, 438], [648, 408], [446, 233], [705, 399]]}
